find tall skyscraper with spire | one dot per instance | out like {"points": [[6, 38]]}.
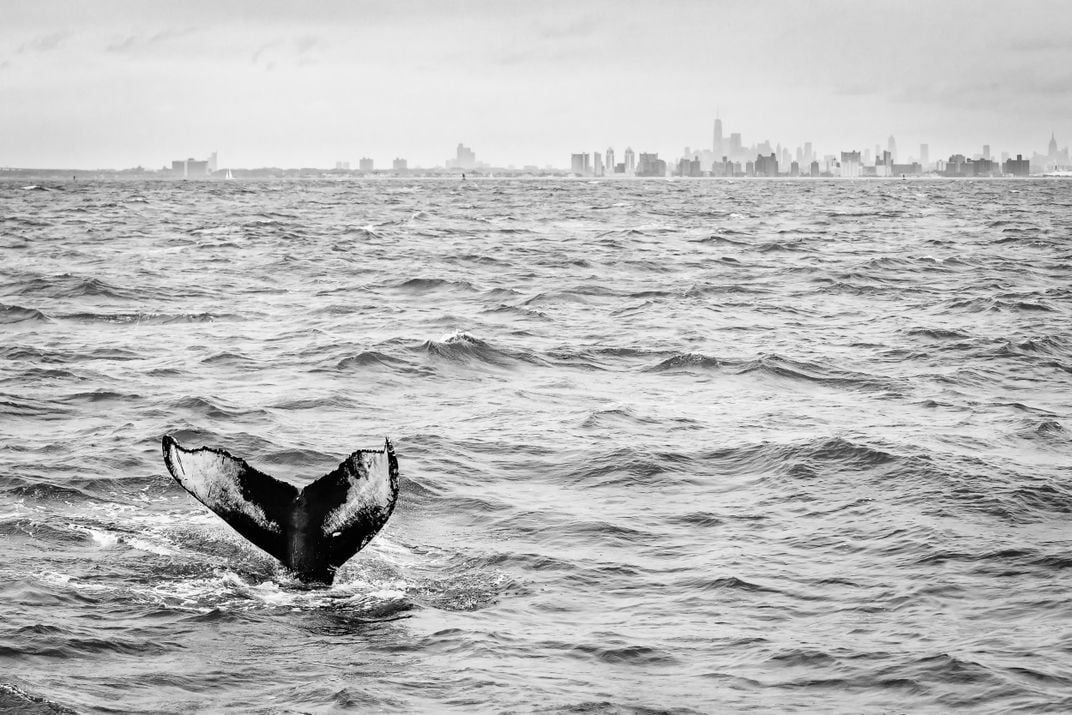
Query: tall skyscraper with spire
{"points": [[717, 144]]}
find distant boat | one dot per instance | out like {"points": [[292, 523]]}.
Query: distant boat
{"points": [[228, 176]]}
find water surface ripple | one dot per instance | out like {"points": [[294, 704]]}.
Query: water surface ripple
{"points": [[665, 446]]}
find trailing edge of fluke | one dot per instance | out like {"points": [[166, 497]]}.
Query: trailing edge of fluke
{"points": [[314, 530]]}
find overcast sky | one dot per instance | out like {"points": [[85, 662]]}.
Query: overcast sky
{"points": [[118, 84]]}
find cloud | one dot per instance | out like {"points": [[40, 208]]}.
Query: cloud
{"points": [[143, 43], [307, 43], [856, 89], [578, 28], [127, 44], [43, 43], [263, 51], [302, 50], [1039, 44], [171, 34]]}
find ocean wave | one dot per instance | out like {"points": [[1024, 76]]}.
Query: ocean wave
{"points": [[822, 456], [725, 583], [148, 318], [721, 238], [1046, 429], [360, 232], [844, 453], [1050, 345], [98, 395], [229, 358], [622, 467], [215, 409], [783, 246], [424, 285], [778, 366], [373, 358], [604, 418], [466, 348], [17, 314], [558, 297], [698, 290], [66, 285], [687, 361], [223, 594], [39, 531], [17, 701], [518, 310], [992, 304], [939, 333], [15, 406]]}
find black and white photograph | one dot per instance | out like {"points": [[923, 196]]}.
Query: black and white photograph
{"points": [[486, 356]]}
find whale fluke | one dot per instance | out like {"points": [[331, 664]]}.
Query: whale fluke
{"points": [[314, 530]]}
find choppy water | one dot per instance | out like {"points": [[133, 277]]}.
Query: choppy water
{"points": [[685, 446]]}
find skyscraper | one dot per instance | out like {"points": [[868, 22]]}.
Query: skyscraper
{"points": [[610, 160], [597, 164], [850, 164], [465, 158], [766, 165], [717, 144], [630, 161], [651, 165], [579, 164], [891, 146], [924, 155], [735, 145]]}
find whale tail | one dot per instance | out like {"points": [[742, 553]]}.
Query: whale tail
{"points": [[313, 531]]}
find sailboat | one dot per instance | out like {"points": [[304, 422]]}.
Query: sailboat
{"points": [[228, 175]]}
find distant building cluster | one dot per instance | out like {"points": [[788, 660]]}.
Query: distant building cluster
{"points": [[730, 157], [464, 160], [1053, 161], [603, 164], [193, 169]]}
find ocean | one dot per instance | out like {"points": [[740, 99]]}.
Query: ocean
{"points": [[665, 446]]}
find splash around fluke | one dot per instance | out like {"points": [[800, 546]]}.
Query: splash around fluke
{"points": [[313, 531]]}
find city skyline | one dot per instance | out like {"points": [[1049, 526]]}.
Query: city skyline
{"points": [[118, 84], [726, 148]]}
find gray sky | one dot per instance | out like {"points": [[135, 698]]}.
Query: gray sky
{"points": [[117, 84]]}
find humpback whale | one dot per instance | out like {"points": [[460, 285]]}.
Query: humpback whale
{"points": [[313, 531]]}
